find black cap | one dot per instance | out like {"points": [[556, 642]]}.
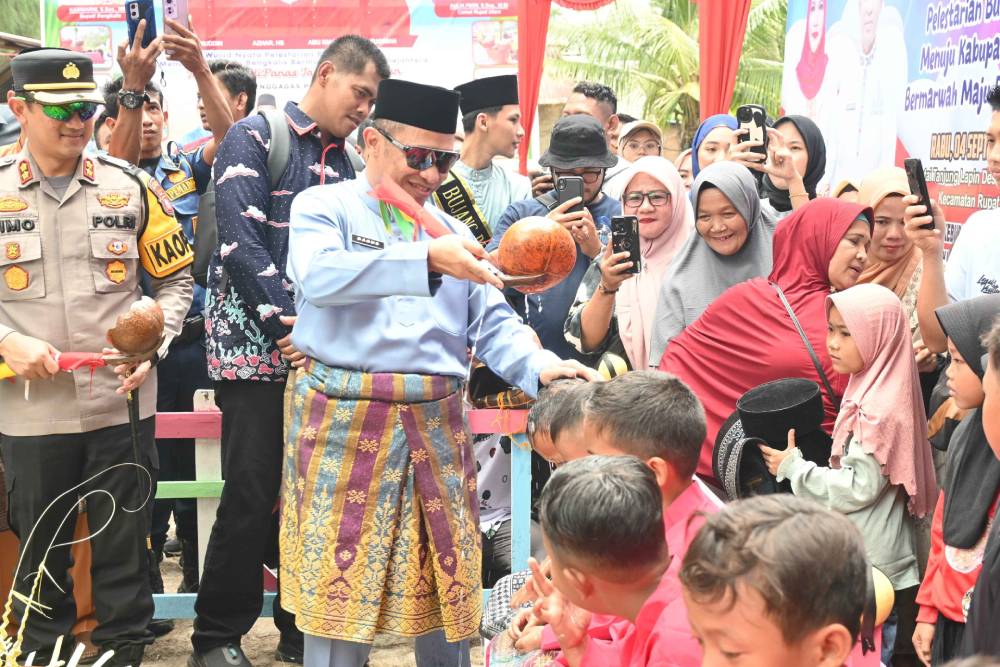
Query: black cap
{"points": [[764, 415], [493, 91], [578, 142], [430, 108], [55, 76]]}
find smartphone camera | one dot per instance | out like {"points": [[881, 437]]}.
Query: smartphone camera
{"points": [[743, 114]]}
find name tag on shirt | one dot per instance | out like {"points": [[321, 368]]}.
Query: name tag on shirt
{"points": [[367, 242]]}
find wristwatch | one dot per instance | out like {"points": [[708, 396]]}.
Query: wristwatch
{"points": [[132, 99]]}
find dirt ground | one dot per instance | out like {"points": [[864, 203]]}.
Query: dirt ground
{"points": [[172, 650]]}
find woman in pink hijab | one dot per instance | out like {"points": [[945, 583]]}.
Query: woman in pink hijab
{"points": [[614, 309]]}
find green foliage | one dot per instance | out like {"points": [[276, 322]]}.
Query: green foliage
{"points": [[655, 54], [20, 17]]}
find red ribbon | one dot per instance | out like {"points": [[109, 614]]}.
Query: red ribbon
{"points": [[391, 193]]}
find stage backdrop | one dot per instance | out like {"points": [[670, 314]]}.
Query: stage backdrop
{"points": [[890, 79], [445, 42]]}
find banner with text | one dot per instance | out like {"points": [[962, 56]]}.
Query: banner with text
{"points": [[890, 79], [443, 42]]}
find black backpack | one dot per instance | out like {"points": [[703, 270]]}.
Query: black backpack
{"points": [[206, 237]]}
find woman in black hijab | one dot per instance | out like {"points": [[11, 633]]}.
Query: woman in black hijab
{"points": [[805, 141]]}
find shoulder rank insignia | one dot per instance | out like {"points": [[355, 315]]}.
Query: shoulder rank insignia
{"points": [[88, 170], [114, 200], [71, 71], [24, 172], [12, 250], [12, 204]]}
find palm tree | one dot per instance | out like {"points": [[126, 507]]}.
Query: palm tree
{"points": [[655, 52]]}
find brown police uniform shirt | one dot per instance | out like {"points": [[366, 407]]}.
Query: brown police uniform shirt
{"points": [[67, 270]]}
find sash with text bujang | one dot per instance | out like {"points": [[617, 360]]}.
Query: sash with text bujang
{"points": [[454, 197]]}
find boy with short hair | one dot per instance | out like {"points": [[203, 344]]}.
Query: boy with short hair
{"points": [[656, 417], [606, 557], [776, 580]]}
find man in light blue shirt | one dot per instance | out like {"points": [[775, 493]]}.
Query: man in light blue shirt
{"points": [[379, 525]]}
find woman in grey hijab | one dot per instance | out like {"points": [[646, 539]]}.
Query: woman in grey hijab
{"points": [[732, 244]]}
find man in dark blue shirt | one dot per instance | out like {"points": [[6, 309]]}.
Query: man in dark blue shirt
{"points": [[249, 318], [578, 147]]}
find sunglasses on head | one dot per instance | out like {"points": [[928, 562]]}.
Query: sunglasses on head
{"points": [[420, 158], [63, 112]]}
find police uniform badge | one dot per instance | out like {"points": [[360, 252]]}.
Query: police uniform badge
{"points": [[16, 278], [12, 250], [71, 71], [88, 169], [12, 204], [117, 247], [116, 271], [114, 200]]}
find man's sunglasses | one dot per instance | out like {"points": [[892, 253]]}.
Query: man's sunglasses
{"points": [[63, 112], [420, 158]]}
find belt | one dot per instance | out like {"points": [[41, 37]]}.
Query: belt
{"points": [[192, 330]]}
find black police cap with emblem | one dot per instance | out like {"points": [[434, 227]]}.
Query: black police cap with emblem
{"points": [[493, 91], [55, 76]]}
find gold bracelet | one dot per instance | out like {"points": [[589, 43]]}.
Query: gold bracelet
{"points": [[797, 194], [605, 290]]}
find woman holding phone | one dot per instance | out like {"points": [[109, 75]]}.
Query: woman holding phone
{"points": [[614, 307], [732, 244]]}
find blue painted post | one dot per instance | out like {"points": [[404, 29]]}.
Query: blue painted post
{"points": [[520, 496]]}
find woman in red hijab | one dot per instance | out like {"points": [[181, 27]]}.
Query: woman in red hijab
{"points": [[747, 337]]}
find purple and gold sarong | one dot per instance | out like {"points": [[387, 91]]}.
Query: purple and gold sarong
{"points": [[379, 514]]}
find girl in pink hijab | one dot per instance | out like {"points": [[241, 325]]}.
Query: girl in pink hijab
{"points": [[614, 309], [881, 472]]}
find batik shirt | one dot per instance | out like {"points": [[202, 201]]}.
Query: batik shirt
{"points": [[247, 286]]}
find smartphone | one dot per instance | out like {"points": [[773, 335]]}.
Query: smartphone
{"points": [[176, 10], [135, 11], [753, 118], [568, 187], [918, 185], [625, 238]]}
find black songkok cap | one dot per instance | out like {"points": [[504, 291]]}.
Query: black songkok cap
{"points": [[430, 108], [493, 91]]}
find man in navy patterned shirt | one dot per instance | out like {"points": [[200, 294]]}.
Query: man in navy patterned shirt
{"points": [[249, 320]]}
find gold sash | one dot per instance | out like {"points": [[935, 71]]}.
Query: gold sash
{"points": [[454, 197]]}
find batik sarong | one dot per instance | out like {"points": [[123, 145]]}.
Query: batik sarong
{"points": [[379, 516]]}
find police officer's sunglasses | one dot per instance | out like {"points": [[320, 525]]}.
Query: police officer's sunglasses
{"points": [[420, 158], [63, 112]]}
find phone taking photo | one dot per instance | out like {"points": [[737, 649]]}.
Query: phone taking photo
{"points": [[918, 185], [135, 11], [176, 10], [625, 238], [753, 119], [568, 187]]}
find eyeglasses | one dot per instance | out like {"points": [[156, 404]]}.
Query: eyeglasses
{"points": [[656, 198], [420, 158], [589, 176], [646, 147], [63, 112]]}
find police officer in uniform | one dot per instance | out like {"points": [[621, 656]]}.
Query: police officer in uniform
{"points": [[76, 231]]}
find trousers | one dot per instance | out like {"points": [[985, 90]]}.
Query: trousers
{"points": [[38, 470], [245, 534], [431, 651]]}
